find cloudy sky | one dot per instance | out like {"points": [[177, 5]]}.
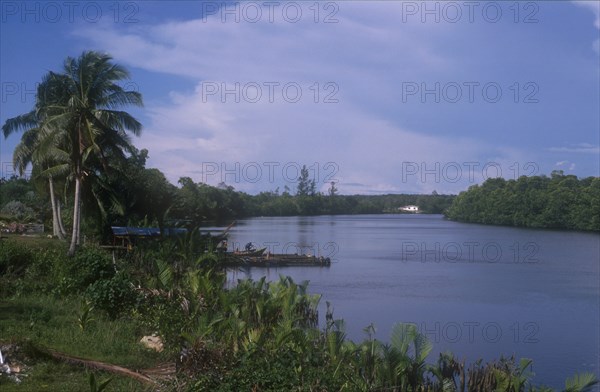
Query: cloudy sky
{"points": [[381, 97]]}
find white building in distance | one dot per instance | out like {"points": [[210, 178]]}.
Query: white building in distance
{"points": [[409, 209]]}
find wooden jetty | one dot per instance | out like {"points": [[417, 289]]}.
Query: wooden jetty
{"points": [[275, 260]]}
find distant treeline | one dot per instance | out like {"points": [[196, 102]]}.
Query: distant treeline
{"points": [[197, 200], [134, 195], [559, 202], [273, 204]]}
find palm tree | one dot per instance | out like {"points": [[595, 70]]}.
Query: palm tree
{"points": [[75, 126], [87, 125], [28, 151]]}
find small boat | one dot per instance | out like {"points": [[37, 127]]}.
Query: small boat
{"points": [[250, 253]]}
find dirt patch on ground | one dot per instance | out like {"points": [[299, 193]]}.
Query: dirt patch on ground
{"points": [[13, 359]]}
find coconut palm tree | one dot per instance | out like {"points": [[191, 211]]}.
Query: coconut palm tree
{"points": [[28, 151], [76, 125], [87, 125]]}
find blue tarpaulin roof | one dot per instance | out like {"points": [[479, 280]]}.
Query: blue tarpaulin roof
{"points": [[175, 231], [145, 231]]}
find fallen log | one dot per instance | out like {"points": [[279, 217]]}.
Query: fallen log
{"points": [[91, 364]]}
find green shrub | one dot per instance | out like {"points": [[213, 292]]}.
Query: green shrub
{"points": [[14, 258], [39, 277], [74, 274], [92, 264], [114, 295], [161, 314], [26, 268], [278, 372]]}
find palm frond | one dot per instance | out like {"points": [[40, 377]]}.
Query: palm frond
{"points": [[20, 123], [581, 382], [119, 120], [60, 170]]}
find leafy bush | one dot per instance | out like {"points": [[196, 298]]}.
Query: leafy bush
{"points": [[14, 258], [278, 372], [161, 314], [74, 274], [114, 295], [25, 268], [39, 277]]}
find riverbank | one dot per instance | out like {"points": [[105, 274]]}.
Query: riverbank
{"points": [[258, 335]]}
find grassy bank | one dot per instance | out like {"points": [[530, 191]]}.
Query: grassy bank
{"points": [[38, 322]]}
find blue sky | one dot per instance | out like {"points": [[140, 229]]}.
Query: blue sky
{"points": [[382, 97]]}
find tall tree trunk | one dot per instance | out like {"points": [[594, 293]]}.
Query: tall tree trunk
{"points": [[61, 227], [76, 217], [55, 217]]}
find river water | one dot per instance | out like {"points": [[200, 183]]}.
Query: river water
{"points": [[478, 291]]}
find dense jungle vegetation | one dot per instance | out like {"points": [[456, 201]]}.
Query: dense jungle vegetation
{"points": [[556, 202]]}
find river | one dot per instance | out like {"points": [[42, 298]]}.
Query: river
{"points": [[478, 291]]}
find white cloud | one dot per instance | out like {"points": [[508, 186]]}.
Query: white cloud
{"points": [[564, 163], [365, 60], [362, 149], [594, 6], [579, 148], [212, 50]]}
